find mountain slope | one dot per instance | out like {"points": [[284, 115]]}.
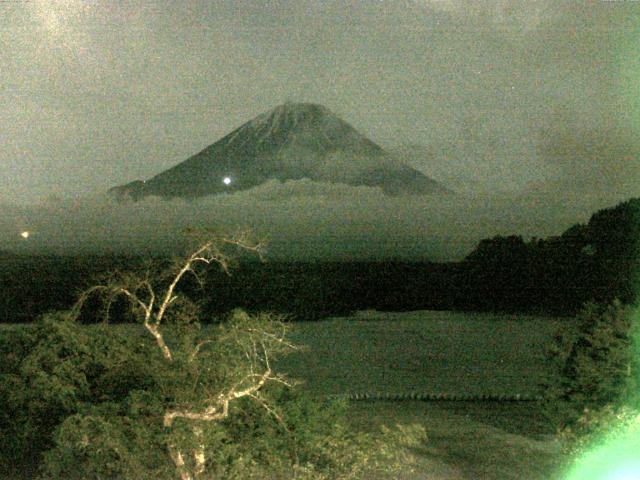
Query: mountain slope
{"points": [[291, 142]]}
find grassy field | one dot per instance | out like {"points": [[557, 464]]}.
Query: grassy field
{"points": [[427, 352], [433, 352]]}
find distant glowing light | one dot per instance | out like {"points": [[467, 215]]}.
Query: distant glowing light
{"points": [[25, 234], [226, 180]]}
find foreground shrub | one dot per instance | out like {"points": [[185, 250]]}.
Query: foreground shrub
{"points": [[53, 369], [89, 402], [597, 368], [166, 399], [593, 426]]}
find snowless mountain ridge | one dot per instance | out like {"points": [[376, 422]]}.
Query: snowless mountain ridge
{"points": [[291, 142]]}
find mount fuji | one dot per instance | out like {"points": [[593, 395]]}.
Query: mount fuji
{"points": [[291, 142]]}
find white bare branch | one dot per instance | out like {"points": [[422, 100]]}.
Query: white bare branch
{"points": [[197, 348], [152, 302], [178, 460], [221, 409], [198, 454]]}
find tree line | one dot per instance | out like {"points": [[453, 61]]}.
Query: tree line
{"points": [[596, 262]]}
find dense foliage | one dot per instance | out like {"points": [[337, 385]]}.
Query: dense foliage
{"points": [[164, 398], [81, 402], [598, 372]]}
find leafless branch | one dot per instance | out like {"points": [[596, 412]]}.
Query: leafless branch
{"points": [[221, 409], [197, 348], [152, 295]]}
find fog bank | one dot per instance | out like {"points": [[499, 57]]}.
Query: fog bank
{"points": [[301, 220]]}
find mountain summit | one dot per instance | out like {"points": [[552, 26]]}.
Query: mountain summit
{"points": [[290, 142]]}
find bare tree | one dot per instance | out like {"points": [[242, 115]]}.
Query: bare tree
{"points": [[255, 340]]}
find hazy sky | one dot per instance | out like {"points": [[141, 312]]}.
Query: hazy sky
{"points": [[512, 95]]}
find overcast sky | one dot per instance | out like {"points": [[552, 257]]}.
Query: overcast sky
{"points": [[513, 95]]}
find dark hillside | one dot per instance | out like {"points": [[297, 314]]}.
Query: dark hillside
{"points": [[597, 261]]}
